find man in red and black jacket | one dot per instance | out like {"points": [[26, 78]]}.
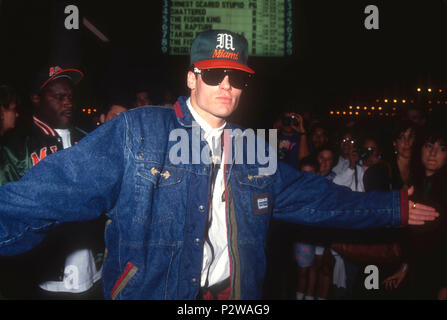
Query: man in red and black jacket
{"points": [[62, 267]]}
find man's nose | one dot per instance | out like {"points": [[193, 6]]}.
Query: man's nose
{"points": [[433, 152], [225, 84], [68, 102]]}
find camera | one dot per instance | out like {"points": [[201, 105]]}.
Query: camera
{"points": [[290, 121]]}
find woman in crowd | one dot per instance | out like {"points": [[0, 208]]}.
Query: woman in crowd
{"points": [[404, 137], [8, 110], [425, 247]]}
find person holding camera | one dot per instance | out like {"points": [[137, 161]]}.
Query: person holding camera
{"points": [[292, 141]]}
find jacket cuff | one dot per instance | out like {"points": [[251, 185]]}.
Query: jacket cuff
{"points": [[404, 208]]}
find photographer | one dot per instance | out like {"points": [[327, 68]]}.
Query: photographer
{"points": [[292, 141]]}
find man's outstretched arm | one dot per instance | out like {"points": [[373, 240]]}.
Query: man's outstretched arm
{"points": [[313, 200], [76, 184]]}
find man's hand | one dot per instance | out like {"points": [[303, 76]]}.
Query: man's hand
{"points": [[300, 127], [419, 213], [394, 281]]}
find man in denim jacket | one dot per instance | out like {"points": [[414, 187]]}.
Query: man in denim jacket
{"points": [[189, 226]]}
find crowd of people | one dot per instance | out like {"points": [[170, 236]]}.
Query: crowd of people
{"points": [[326, 264], [407, 151]]}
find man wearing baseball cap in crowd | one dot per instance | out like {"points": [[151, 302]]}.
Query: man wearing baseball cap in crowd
{"points": [[64, 265], [189, 207]]}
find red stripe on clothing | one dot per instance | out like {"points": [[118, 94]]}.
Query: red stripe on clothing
{"points": [[45, 128], [118, 282], [41, 127], [178, 111], [208, 296], [223, 295], [58, 73]]}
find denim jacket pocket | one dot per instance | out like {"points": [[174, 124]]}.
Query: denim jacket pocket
{"points": [[156, 201], [254, 198]]}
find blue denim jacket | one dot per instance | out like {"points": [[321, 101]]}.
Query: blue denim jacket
{"points": [[157, 209]]}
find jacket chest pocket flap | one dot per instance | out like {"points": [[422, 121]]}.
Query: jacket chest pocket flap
{"points": [[253, 179], [160, 176]]}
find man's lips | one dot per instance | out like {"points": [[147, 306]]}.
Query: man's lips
{"points": [[224, 99], [67, 113]]}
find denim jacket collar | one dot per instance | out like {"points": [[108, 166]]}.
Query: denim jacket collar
{"points": [[184, 116]]}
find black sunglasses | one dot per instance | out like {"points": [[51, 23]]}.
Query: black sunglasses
{"points": [[238, 79]]}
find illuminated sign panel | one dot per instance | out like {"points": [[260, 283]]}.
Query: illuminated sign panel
{"points": [[266, 24]]}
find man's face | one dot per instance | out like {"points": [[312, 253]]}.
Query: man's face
{"points": [[404, 143], [416, 117], [347, 145], [373, 158], [143, 99], [213, 103], [55, 105], [319, 138], [114, 111], [8, 116], [326, 160], [434, 156]]}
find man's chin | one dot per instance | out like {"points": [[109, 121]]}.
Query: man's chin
{"points": [[64, 123], [226, 110]]}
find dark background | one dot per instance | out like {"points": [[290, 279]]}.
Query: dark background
{"points": [[336, 61]]}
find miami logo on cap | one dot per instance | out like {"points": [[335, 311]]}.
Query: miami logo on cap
{"points": [[225, 43], [54, 70]]}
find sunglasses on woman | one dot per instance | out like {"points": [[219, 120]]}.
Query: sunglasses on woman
{"points": [[213, 77]]}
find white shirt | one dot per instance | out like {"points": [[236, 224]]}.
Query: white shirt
{"points": [[341, 166], [347, 179], [66, 138], [345, 176], [216, 268]]}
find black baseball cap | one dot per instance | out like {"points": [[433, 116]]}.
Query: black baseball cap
{"points": [[213, 49], [55, 72]]}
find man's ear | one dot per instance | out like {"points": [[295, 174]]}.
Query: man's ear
{"points": [[191, 80]]}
